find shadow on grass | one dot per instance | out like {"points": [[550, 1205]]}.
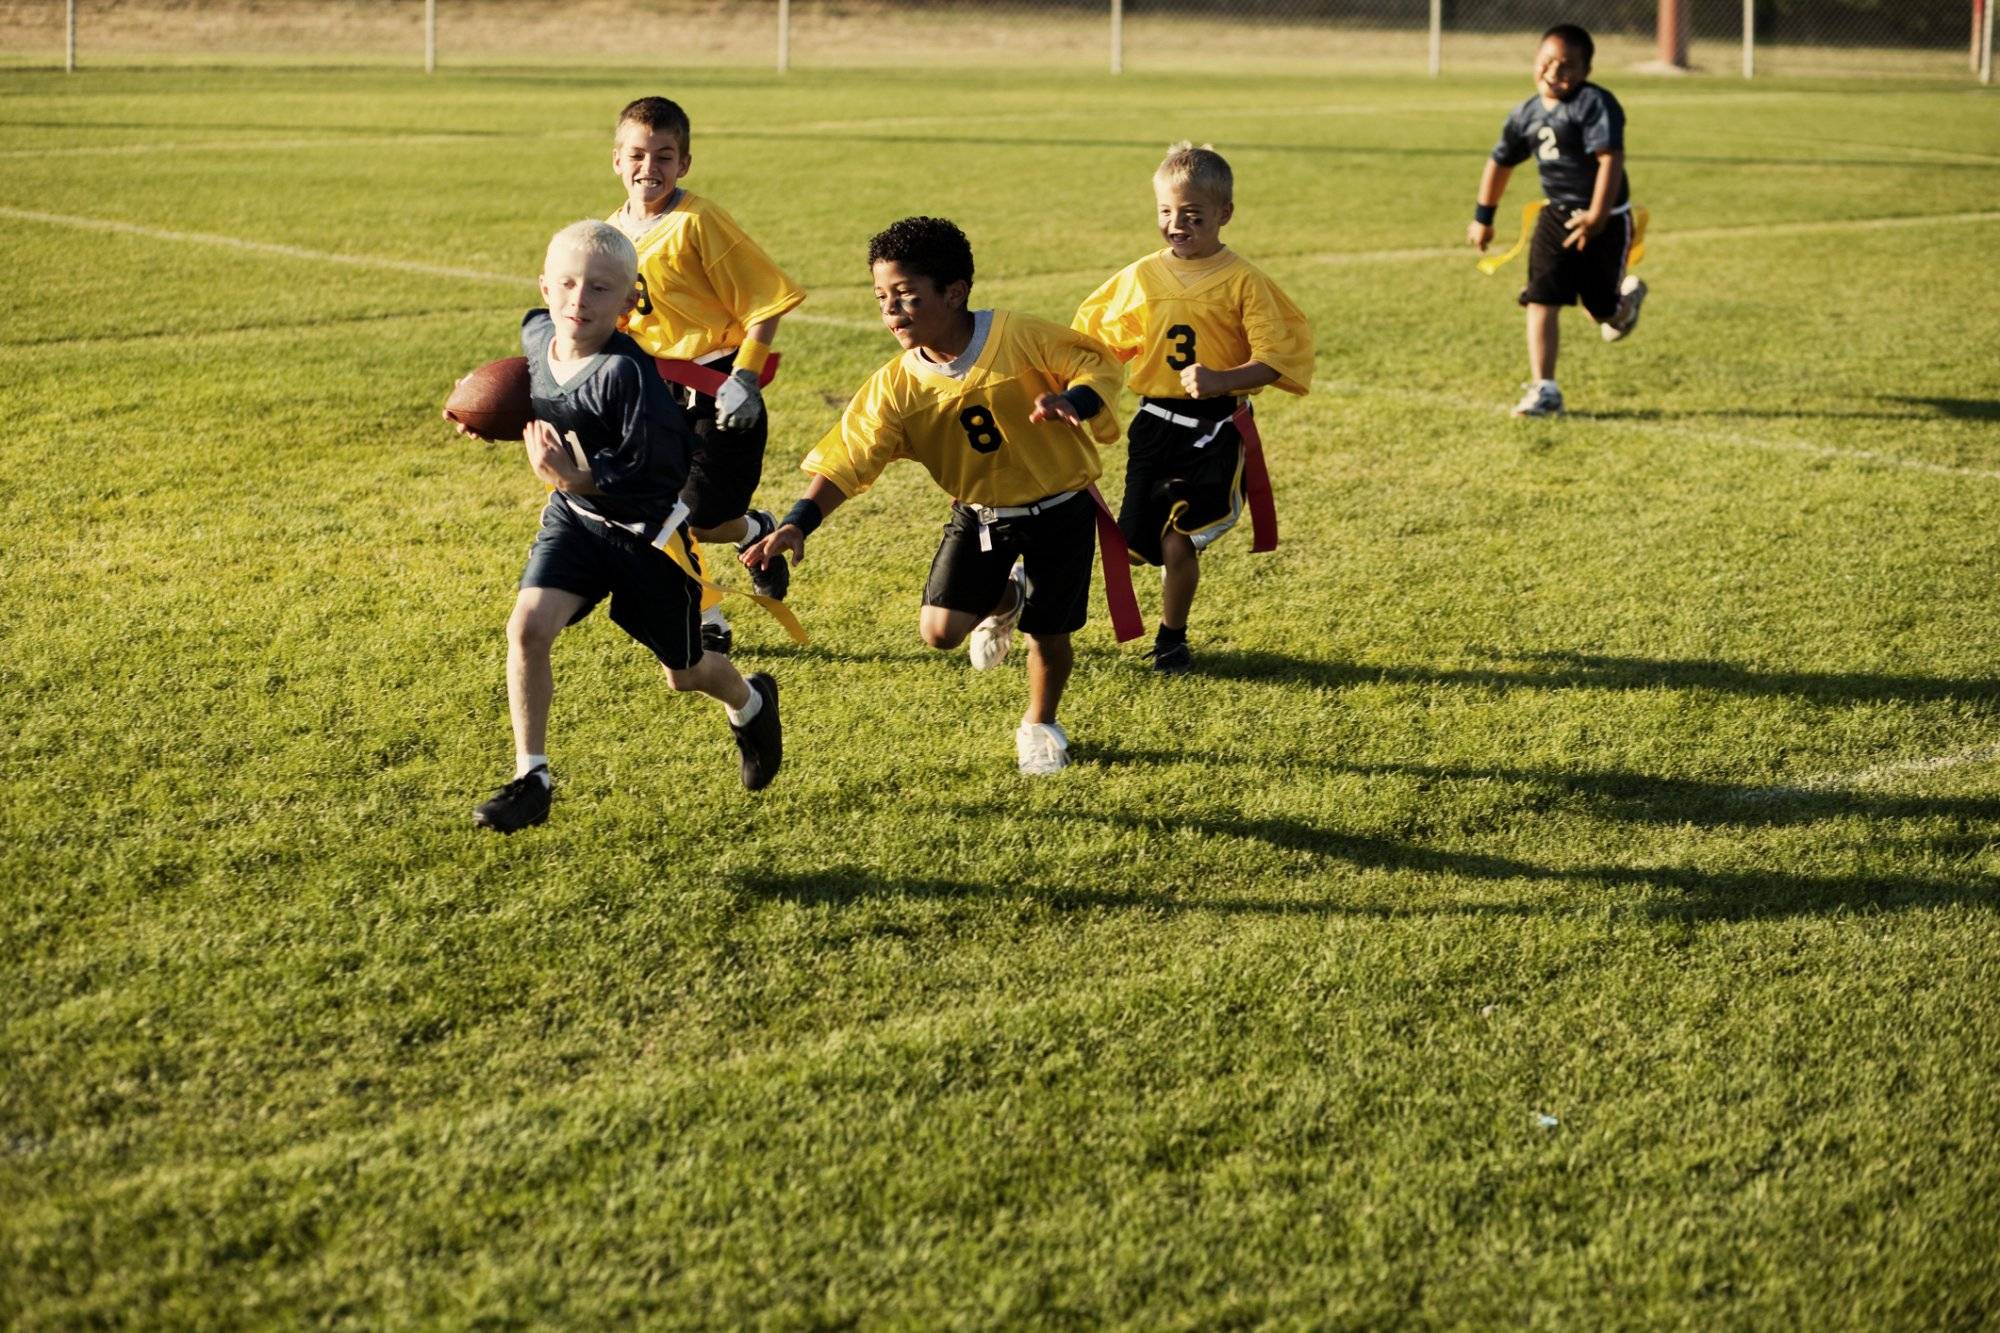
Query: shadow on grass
{"points": [[1912, 409], [1585, 671], [1660, 892], [1644, 799]]}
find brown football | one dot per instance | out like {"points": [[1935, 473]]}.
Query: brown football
{"points": [[492, 401]]}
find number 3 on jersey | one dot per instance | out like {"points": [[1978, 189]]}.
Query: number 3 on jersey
{"points": [[1182, 355], [980, 432]]}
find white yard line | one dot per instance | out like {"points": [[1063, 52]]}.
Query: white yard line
{"points": [[1870, 777], [283, 251]]}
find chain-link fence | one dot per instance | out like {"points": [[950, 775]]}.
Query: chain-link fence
{"points": [[1737, 38]]}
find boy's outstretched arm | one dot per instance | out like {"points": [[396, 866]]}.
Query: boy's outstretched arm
{"points": [[789, 537], [1492, 184], [1582, 226]]}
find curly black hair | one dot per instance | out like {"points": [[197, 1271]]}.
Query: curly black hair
{"points": [[934, 247]]}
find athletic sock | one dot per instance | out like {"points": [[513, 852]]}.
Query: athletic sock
{"points": [[742, 717], [1169, 637], [525, 764], [714, 616]]}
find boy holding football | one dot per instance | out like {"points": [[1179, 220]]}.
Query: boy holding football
{"points": [[1202, 330], [612, 445], [1575, 131], [708, 295], [1001, 409]]}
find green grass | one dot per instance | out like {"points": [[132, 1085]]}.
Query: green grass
{"points": [[1638, 771]]}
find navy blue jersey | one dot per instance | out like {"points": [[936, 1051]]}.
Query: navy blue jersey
{"points": [[621, 416], [1565, 140]]}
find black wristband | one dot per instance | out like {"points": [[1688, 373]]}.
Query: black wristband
{"points": [[1084, 401], [1483, 214], [806, 516]]}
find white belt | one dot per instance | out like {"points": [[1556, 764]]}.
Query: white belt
{"points": [[668, 528], [719, 354], [1189, 423], [988, 515]]}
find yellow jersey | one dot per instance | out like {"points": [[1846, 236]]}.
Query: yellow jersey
{"points": [[970, 430], [1164, 314], [702, 282]]}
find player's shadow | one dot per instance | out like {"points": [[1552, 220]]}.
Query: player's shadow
{"points": [[1640, 798], [1907, 409], [1962, 409], [1663, 892], [1559, 670]]}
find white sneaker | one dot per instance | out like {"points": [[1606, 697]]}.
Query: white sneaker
{"points": [[993, 636], [1042, 747], [1631, 295], [1543, 399]]}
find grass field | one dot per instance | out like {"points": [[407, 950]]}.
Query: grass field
{"points": [[1565, 898]]}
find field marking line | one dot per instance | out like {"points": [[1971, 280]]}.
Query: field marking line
{"points": [[1751, 229], [1723, 437], [284, 251], [1874, 776]]}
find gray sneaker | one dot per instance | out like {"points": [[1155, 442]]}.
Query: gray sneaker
{"points": [[1542, 399], [1631, 295]]}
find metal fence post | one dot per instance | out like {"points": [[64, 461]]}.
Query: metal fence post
{"points": [[1986, 48], [1749, 39], [1437, 37], [69, 37], [430, 36], [784, 35], [1117, 36]]}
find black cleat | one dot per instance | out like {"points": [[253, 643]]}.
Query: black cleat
{"points": [[775, 579], [717, 638], [762, 738], [1173, 661], [520, 803]]}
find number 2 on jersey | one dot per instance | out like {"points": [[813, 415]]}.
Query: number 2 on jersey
{"points": [[980, 432], [1182, 356]]}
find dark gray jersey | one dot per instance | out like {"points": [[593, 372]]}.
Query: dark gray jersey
{"points": [[1565, 140], [621, 416]]}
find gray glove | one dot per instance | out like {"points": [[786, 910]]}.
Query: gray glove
{"points": [[739, 402]]}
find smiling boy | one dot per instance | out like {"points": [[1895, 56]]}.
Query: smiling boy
{"points": [[1575, 131], [994, 405], [612, 446], [1202, 330], [707, 294]]}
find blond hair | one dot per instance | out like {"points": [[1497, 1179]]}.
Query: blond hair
{"points": [[592, 237], [1200, 169]]}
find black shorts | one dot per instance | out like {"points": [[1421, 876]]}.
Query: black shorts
{"points": [[1057, 547], [1563, 276], [1187, 478], [724, 466], [651, 598]]}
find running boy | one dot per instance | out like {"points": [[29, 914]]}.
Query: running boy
{"points": [[707, 294], [993, 404], [1575, 131], [1204, 330], [612, 445]]}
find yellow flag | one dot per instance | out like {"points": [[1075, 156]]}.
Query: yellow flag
{"points": [[1491, 264]]}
